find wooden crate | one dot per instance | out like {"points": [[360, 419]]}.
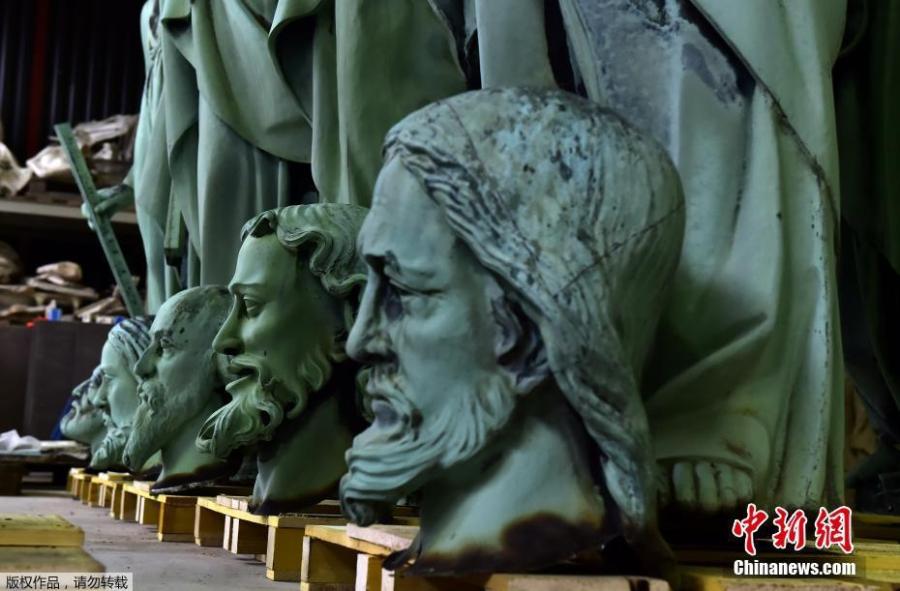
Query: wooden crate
{"points": [[276, 539]]}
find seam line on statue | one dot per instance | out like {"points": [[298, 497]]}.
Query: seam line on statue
{"points": [[617, 246]]}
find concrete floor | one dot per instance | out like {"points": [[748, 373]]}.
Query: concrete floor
{"points": [[129, 547]]}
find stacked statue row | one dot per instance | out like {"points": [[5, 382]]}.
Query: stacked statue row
{"points": [[246, 101], [477, 341]]}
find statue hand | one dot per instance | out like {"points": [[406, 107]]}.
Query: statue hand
{"points": [[112, 199], [710, 487]]}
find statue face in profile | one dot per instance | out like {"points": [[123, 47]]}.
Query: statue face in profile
{"points": [[519, 246], [84, 421], [178, 376], [438, 386], [294, 292], [277, 337], [117, 390]]}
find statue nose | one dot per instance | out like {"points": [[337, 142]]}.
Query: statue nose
{"points": [[227, 341], [228, 345]]}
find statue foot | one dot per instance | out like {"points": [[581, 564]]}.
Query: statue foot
{"points": [[709, 487]]}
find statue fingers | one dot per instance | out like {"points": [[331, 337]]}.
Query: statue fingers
{"points": [[684, 485], [743, 485], [663, 485], [707, 491], [725, 482]]}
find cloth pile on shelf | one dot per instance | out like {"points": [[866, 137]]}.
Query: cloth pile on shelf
{"points": [[13, 178], [108, 147], [56, 286]]}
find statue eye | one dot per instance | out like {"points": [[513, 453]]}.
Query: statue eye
{"points": [[251, 306], [393, 300]]}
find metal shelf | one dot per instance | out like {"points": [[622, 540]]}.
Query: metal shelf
{"points": [[51, 210]]}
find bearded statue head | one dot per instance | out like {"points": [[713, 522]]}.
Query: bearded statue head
{"points": [[519, 248], [295, 291], [117, 390], [179, 377]]}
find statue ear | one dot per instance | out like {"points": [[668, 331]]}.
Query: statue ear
{"points": [[520, 349]]}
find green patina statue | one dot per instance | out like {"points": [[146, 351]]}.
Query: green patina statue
{"points": [[180, 386], [520, 246], [296, 289], [117, 390], [84, 421]]}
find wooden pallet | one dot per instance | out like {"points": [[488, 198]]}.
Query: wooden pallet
{"points": [[111, 484], [335, 560], [876, 527], [172, 516], [340, 558], [43, 543], [38, 530], [77, 478], [70, 480], [696, 578], [43, 559], [276, 539], [94, 489]]}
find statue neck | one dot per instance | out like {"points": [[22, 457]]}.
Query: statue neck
{"points": [[183, 463], [304, 462], [533, 481]]}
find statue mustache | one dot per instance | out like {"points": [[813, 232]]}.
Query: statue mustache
{"points": [[252, 415]]}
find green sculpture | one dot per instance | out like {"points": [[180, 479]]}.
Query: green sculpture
{"points": [[84, 421], [740, 95], [118, 388], [229, 133], [180, 386], [295, 291], [520, 246]]}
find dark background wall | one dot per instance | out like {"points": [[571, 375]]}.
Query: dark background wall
{"points": [[66, 60]]}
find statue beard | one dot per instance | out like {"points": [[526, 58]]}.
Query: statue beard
{"points": [[390, 461], [153, 425], [109, 454], [260, 402], [82, 425]]}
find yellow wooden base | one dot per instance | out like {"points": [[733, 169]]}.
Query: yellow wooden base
{"points": [[54, 559], [38, 530], [224, 521]]}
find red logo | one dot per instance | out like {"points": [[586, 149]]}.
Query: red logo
{"points": [[748, 526], [835, 529], [832, 528]]}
